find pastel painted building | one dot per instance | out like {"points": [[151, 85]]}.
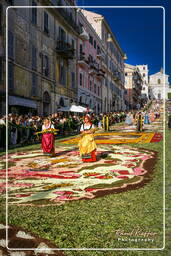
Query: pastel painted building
{"points": [[143, 69], [112, 63], [89, 67], [133, 85]]}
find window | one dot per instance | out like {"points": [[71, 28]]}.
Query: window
{"points": [[126, 74], [90, 39], [62, 74], [143, 68], [73, 80], [95, 88], [159, 81], [98, 91], [81, 48], [90, 85], [10, 76], [94, 44], [62, 35], [143, 75], [144, 88], [90, 58], [1, 19], [34, 85], [34, 13], [10, 45], [98, 49], [11, 2], [46, 23], [34, 57], [1, 68], [81, 79], [46, 65], [73, 44]]}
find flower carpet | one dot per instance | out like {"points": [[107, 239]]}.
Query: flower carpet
{"points": [[19, 238], [37, 179], [120, 138]]}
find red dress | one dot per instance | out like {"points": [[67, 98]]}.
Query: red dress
{"points": [[48, 140], [92, 157]]}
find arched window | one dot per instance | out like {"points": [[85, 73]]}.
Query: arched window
{"points": [[46, 97], [80, 99], [61, 102], [159, 81]]}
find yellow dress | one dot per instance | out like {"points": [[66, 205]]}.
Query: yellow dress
{"points": [[86, 144]]}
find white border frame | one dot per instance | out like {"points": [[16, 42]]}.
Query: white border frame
{"points": [[164, 120]]}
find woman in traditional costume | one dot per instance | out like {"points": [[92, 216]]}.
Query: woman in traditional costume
{"points": [[87, 145], [129, 119], [152, 117], [140, 122], [146, 119], [48, 138]]}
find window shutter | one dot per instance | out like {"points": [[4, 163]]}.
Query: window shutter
{"points": [[46, 22], [73, 79], [1, 68], [10, 76], [34, 85], [10, 44], [34, 57], [34, 13]]}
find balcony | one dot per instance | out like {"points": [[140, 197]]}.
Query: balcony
{"points": [[65, 49], [83, 34], [69, 18], [94, 66], [116, 75], [100, 55], [101, 73], [82, 60]]}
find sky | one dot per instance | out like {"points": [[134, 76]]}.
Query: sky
{"points": [[139, 31]]}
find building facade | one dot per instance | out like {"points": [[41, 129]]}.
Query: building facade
{"points": [[89, 63], [159, 86], [143, 69], [112, 64], [42, 67], [133, 85], [3, 5], [57, 57]]}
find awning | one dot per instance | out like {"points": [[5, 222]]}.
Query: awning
{"points": [[82, 108], [75, 108], [63, 109], [17, 101]]}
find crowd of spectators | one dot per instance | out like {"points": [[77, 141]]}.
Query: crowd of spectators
{"points": [[22, 128]]}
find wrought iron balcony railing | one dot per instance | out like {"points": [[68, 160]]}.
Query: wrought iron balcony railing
{"points": [[69, 18], [65, 49], [101, 73], [82, 59]]}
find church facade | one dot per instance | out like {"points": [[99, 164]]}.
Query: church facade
{"points": [[159, 88]]}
